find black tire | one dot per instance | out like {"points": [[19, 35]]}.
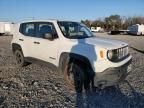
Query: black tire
{"points": [[86, 81], [20, 61], [74, 76]]}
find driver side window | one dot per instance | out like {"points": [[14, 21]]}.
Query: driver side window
{"points": [[44, 28]]}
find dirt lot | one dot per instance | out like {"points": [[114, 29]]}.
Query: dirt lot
{"points": [[38, 86], [136, 42]]}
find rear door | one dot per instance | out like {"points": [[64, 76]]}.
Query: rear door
{"points": [[28, 33]]}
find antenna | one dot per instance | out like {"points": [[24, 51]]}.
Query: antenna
{"points": [[33, 18]]}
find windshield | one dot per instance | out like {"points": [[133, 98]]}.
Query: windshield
{"points": [[74, 30]]}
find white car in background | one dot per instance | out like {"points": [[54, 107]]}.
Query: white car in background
{"points": [[97, 29]]}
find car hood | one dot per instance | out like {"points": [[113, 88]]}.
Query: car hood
{"points": [[104, 43]]}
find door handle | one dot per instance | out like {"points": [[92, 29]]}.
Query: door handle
{"points": [[21, 39], [36, 42]]}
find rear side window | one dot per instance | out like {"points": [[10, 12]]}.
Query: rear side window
{"points": [[27, 29]]}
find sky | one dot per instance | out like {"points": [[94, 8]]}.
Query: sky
{"points": [[18, 10]]}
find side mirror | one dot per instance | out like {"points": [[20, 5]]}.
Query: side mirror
{"points": [[48, 36]]}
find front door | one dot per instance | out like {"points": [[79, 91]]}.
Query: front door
{"points": [[45, 49]]}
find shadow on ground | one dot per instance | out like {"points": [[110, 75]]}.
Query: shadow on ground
{"points": [[110, 98]]}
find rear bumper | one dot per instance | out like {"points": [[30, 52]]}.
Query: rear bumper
{"points": [[112, 76]]}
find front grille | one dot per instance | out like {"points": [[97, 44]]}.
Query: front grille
{"points": [[120, 54]]}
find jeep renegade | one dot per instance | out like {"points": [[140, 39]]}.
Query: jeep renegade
{"points": [[83, 58]]}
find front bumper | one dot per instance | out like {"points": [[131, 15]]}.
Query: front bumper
{"points": [[112, 76]]}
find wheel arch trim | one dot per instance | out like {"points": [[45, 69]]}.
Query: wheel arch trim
{"points": [[65, 58]]}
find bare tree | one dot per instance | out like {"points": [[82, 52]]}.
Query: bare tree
{"points": [[115, 22]]}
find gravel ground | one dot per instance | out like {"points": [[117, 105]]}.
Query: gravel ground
{"points": [[36, 86]]}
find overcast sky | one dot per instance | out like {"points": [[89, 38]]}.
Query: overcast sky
{"points": [[17, 10]]}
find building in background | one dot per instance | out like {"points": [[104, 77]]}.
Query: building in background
{"points": [[6, 28]]}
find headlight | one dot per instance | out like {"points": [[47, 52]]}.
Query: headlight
{"points": [[110, 54], [117, 54]]}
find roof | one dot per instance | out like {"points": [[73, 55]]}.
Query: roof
{"points": [[48, 20]]}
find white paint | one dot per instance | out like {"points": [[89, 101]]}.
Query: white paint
{"points": [[89, 48]]}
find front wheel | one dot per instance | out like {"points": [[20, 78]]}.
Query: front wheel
{"points": [[20, 62], [74, 75]]}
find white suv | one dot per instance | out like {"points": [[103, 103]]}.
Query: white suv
{"points": [[83, 58]]}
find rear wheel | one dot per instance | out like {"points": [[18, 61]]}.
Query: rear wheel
{"points": [[19, 58], [75, 77]]}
